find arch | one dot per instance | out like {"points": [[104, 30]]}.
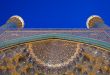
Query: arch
{"points": [[91, 41]]}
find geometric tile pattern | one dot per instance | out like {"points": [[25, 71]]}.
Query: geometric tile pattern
{"points": [[54, 57]]}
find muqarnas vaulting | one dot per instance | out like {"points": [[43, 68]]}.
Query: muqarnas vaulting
{"points": [[83, 51]]}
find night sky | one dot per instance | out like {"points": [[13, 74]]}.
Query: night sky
{"points": [[54, 13]]}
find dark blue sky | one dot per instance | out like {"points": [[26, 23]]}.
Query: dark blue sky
{"points": [[54, 13]]}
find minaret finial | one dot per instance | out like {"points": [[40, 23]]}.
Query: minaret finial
{"points": [[17, 20], [92, 20]]}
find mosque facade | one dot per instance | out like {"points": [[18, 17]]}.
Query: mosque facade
{"points": [[80, 51]]}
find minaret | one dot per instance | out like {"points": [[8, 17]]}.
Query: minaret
{"points": [[95, 21], [14, 22]]}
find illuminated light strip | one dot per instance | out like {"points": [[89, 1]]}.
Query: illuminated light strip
{"points": [[100, 30]]}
